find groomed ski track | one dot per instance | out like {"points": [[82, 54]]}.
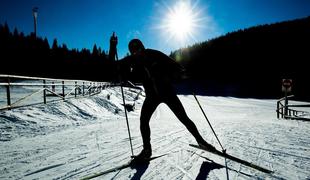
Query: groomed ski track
{"points": [[80, 137]]}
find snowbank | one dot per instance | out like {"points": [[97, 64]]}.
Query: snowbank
{"points": [[79, 137]]}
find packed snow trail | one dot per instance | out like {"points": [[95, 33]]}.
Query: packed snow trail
{"points": [[79, 137]]}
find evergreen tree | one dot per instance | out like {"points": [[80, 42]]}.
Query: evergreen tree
{"points": [[95, 52], [55, 44]]}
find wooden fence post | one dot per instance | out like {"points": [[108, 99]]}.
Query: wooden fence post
{"points": [[83, 88], [75, 89], [278, 110], [285, 105], [282, 114], [63, 90], [8, 93], [44, 91]]}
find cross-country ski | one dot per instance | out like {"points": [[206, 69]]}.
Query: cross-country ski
{"points": [[225, 155], [132, 163]]}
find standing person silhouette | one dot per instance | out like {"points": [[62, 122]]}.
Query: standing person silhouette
{"points": [[155, 70], [113, 44]]}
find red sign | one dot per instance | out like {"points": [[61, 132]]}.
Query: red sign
{"points": [[287, 85]]}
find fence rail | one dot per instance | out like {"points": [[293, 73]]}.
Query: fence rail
{"points": [[50, 89], [284, 110]]}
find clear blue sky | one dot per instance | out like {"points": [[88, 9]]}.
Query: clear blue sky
{"points": [[83, 23]]}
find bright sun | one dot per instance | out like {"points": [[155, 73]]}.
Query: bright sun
{"points": [[181, 22]]}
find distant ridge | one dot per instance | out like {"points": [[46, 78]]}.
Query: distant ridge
{"points": [[253, 61]]}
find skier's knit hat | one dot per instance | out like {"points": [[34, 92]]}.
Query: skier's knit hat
{"points": [[135, 45]]}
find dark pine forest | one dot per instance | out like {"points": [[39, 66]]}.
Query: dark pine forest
{"points": [[246, 63], [33, 56], [252, 62]]}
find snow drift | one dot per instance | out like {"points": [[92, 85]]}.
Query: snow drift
{"points": [[79, 137]]}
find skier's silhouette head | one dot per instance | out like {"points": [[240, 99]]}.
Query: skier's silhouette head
{"points": [[135, 46]]}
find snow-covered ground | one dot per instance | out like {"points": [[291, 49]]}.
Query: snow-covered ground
{"points": [[80, 137]]}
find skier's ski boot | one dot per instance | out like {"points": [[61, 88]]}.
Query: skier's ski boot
{"points": [[206, 146], [144, 156]]}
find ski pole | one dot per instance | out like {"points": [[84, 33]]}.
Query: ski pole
{"points": [[208, 121], [127, 122]]}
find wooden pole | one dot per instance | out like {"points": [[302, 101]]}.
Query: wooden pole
{"points": [[8, 94], [75, 89], [44, 92], [83, 88], [63, 90], [285, 104], [278, 116]]}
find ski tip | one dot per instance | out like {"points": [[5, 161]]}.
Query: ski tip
{"points": [[194, 145]]}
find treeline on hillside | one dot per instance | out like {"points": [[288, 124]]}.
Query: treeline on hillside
{"points": [[29, 55], [252, 62]]}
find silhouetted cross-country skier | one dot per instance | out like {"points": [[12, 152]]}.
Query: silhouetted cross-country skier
{"points": [[155, 70]]}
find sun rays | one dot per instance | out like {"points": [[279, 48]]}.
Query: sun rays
{"points": [[181, 22]]}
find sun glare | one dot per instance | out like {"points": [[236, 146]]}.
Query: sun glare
{"points": [[181, 22]]}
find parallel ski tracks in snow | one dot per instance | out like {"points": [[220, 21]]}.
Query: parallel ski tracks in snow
{"points": [[97, 139]]}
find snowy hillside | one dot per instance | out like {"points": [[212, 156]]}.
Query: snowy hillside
{"points": [[80, 137]]}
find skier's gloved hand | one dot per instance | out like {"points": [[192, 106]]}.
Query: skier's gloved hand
{"points": [[184, 74]]}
